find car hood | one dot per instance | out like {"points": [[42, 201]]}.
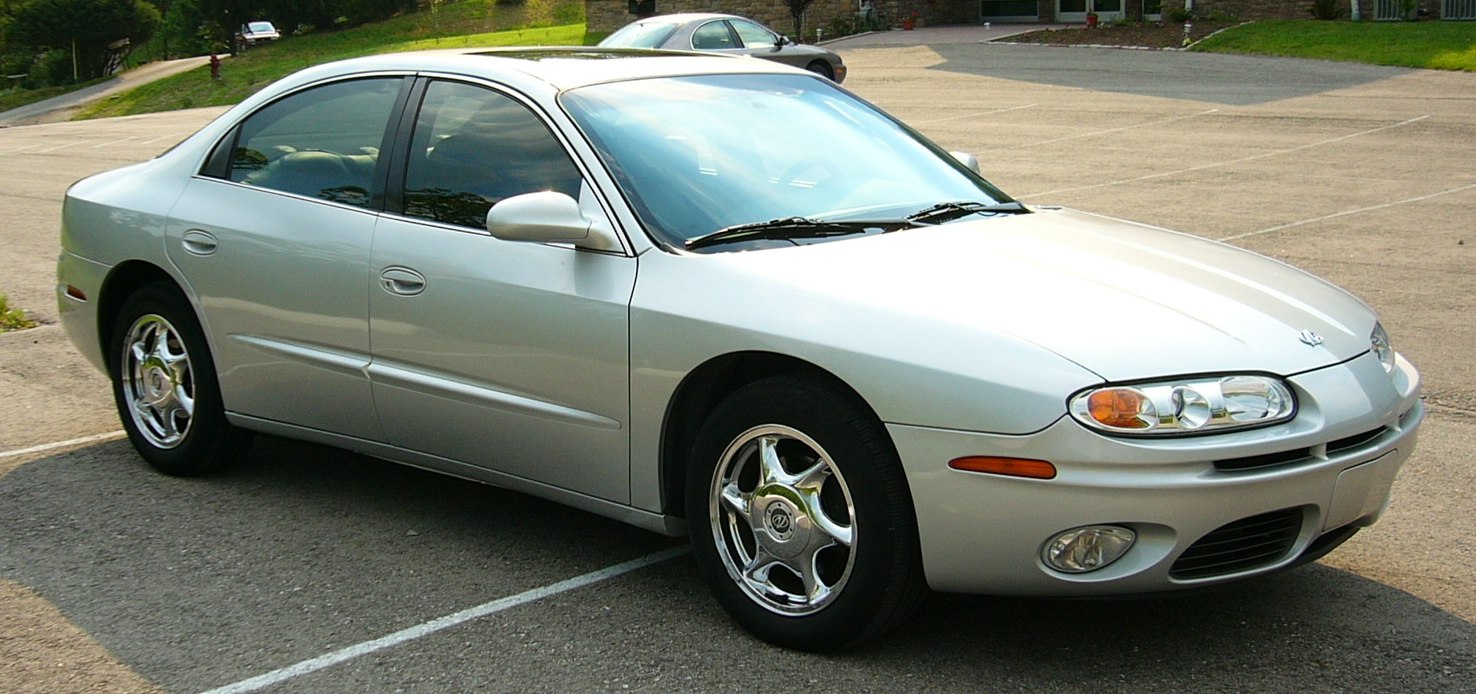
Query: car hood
{"points": [[1123, 300]]}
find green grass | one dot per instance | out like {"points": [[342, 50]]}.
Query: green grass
{"points": [[467, 23], [1435, 45], [13, 318]]}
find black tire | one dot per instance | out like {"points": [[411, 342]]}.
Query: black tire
{"points": [[867, 580], [822, 69], [165, 387]]}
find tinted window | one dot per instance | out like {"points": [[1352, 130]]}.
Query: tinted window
{"points": [[640, 35], [753, 35], [473, 147], [712, 36], [697, 154], [321, 143]]}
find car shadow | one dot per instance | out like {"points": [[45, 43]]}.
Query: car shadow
{"points": [[1235, 80], [304, 549]]}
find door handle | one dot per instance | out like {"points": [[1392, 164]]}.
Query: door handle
{"points": [[199, 242], [402, 281]]}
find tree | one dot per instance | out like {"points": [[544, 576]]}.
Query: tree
{"points": [[797, 11], [85, 27]]}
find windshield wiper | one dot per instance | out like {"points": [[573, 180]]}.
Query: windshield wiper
{"points": [[945, 211], [790, 228]]}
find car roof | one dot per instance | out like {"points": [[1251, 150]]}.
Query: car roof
{"points": [[684, 17], [561, 67]]}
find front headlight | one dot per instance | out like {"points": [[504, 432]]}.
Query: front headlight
{"points": [[1379, 342], [1188, 406]]}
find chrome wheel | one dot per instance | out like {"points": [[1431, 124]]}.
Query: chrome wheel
{"points": [[165, 387], [158, 381], [783, 520]]}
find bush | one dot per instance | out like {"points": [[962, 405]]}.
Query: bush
{"points": [[1326, 9], [52, 68]]}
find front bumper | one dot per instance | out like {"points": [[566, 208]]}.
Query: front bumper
{"points": [[1318, 476]]}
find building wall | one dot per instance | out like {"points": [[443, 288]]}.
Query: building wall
{"points": [[1251, 9]]}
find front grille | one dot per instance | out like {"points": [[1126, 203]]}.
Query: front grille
{"points": [[1256, 462], [1246, 544], [1297, 455], [1354, 441]]}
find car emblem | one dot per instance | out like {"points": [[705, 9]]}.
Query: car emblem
{"points": [[780, 521], [1310, 338]]}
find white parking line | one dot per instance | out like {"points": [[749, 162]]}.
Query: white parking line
{"points": [[970, 115], [110, 143], [1241, 160], [1114, 130], [58, 147], [451, 620], [63, 444], [1345, 213]]}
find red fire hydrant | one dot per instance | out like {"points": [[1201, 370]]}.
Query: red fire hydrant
{"points": [[214, 66]]}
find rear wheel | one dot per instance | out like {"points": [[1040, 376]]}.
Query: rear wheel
{"points": [[165, 387], [800, 516]]}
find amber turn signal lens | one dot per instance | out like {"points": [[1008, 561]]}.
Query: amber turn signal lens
{"points": [[1012, 467], [1119, 408]]}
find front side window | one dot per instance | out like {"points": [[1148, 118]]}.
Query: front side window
{"points": [[474, 147], [320, 143], [753, 35]]}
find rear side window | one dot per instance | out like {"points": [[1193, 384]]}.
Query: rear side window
{"points": [[474, 147], [713, 36], [640, 35], [320, 143]]}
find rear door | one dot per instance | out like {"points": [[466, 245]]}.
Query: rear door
{"points": [[273, 238]]}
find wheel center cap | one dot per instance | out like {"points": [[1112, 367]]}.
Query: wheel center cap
{"points": [[779, 520], [158, 386]]}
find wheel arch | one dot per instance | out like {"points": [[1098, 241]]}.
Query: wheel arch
{"points": [[122, 282], [706, 386]]}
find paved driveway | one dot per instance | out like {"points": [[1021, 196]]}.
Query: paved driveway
{"points": [[111, 576]]}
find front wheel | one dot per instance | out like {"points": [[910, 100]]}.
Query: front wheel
{"points": [[800, 516], [822, 69], [165, 387]]}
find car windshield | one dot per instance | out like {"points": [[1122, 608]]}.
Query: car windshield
{"points": [[639, 35], [698, 154], [261, 27]]}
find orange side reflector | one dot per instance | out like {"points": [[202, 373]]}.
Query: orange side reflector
{"points": [[76, 293], [1012, 467]]}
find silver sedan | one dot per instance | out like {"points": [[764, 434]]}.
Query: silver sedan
{"points": [[725, 34], [727, 299]]}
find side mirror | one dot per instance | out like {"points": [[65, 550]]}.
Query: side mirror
{"points": [[545, 217], [782, 41], [968, 160]]}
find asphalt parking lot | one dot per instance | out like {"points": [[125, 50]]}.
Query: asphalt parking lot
{"points": [[312, 570]]}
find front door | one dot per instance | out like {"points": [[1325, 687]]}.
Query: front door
{"points": [[501, 355]]}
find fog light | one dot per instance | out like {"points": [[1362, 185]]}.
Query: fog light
{"points": [[1087, 549]]}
